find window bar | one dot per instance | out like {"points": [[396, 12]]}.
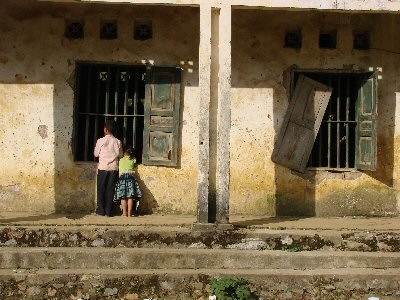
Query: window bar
{"points": [[116, 93], [347, 118], [329, 124], [96, 120], [321, 130], [135, 101], [107, 102], [126, 105], [338, 124], [76, 114], [87, 117]]}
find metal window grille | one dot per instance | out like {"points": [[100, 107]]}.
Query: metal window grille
{"points": [[327, 39], [143, 30], [109, 30], [293, 39], [334, 146], [74, 30], [104, 92]]}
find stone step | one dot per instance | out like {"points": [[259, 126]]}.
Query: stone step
{"points": [[194, 284], [184, 237], [150, 258]]}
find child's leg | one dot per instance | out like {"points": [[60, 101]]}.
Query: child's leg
{"points": [[130, 206], [109, 203], [124, 207], [101, 192]]}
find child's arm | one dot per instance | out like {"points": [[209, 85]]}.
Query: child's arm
{"points": [[97, 148], [119, 150]]}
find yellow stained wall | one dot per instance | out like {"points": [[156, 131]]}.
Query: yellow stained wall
{"points": [[260, 98], [37, 100], [37, 104]]}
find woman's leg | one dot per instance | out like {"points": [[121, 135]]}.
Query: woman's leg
{"points": [[130, 205], [123, 204]]}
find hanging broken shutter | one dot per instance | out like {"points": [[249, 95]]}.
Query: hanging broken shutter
{"points": [[161, 116], [301, 124], [366, 125]]}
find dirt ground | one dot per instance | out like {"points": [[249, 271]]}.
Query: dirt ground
{"points": [[310, 223]]}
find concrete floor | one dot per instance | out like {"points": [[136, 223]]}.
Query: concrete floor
{"points": [[308, 223]]}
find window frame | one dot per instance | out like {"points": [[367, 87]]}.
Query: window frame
{"points": [[76, 86], [329, 71]]}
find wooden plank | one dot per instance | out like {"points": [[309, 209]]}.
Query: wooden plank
{"points": [[160, 145], [366, 136], [329, 127], [301, 123]]}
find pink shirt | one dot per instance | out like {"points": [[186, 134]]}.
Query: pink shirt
{"points": [[108, 149]]}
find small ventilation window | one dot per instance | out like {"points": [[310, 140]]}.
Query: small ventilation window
{"points": [[143, 30], [293, 39], [109, 30], [327, 39], [74, 30], [361, 40]]}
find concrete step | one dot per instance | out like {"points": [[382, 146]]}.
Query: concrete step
{"points": [[184, 237], [194, 284], [150, 258]]}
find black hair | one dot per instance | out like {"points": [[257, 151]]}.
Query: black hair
{"points": [[130, 151], [110, 125]]}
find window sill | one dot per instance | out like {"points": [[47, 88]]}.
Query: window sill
{"points": [[337, 170], [86, 163]]}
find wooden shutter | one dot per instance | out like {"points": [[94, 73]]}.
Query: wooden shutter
{"points": [[161, 116], [301, 124], [366, 124]]}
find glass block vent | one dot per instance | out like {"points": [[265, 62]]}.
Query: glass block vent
{"points": [[327, 39], [109, 30], [143, 30], [361, 40], [293, 39], [74, 30]]}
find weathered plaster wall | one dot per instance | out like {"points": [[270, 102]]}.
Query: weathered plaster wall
{"points": [[260, 99], [37, 63]]}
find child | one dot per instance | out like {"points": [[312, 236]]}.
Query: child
{"points": [[108, 149], [127, 188]]}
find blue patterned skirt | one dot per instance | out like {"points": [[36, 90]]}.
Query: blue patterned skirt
{"points": [[127, 187]]}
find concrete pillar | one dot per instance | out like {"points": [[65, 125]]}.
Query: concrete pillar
{"points": [[204, 125], [224, 116]]}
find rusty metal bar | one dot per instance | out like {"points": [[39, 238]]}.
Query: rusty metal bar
{"points": [[135, 101], [338, 124], [126, 105], [329, 124], [87, 119], [96, 120], [107, 102], [116, 92], [347, 118]]}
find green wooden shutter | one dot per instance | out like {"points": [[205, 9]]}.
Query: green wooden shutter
{"points": [[366, 124], [161, 116], [301, 124]]}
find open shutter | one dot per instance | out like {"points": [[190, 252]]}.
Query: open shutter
{"points": [[301, 124], [366, 125], [161, 116]]}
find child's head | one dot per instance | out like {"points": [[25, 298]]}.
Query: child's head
{"points": [[109, 127], [129, 151]]}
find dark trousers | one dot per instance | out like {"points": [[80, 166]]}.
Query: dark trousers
{"points": [[106, 181]]}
